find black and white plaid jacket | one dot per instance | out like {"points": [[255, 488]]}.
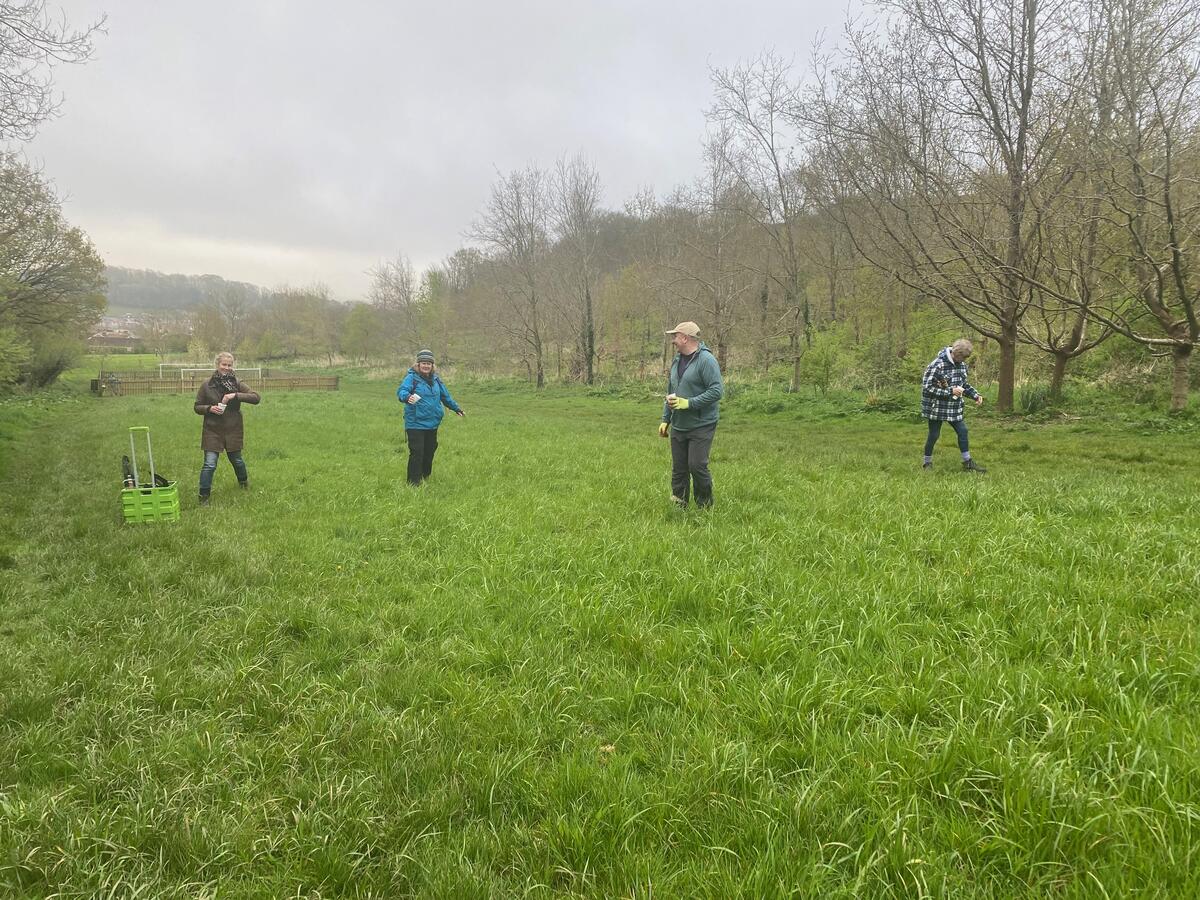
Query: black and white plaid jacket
{"points": [[937, 399]]}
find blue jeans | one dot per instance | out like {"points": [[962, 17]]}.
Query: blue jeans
{"points": [[210, 466], [935, 428]]}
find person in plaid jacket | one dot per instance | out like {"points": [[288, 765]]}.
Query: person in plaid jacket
{"points": [[942, 390]]}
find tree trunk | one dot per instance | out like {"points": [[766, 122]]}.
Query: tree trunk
{"points": [[764, 331], [1008, 367], [833, 281], [589, 335], [618, 333], [1181, 357], [794, 346], [535, 334], [539, 360], [1058, 375]]}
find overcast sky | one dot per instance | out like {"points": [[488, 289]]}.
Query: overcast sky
{"points": [[291, 142]]}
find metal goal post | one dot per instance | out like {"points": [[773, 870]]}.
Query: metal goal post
{"points": [[248, 371]]}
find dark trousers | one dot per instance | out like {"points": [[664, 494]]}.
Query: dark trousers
{"points": [[422, 444], [689, 463], [935, 429]]}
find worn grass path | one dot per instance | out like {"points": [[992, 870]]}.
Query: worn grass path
{"points": [[533, 677]]}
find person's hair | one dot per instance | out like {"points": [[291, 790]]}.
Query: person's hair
{"points": [[962, 345], [221, 356]]}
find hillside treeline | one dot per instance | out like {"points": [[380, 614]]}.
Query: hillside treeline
{"points": [[131, 290]]}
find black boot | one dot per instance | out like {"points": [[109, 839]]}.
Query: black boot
{"points": [[244, 485], [204, 499], [969, 465]]}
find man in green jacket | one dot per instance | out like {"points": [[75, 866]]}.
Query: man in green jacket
{"points": [[689, 419]]}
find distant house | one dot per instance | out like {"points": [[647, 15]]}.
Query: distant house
{"points": [[116, 340]]}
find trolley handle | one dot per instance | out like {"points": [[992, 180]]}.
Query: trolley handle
{"points": [[141, 429]]}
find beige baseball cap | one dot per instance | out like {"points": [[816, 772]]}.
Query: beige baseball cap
{"points": [[691, 329]]}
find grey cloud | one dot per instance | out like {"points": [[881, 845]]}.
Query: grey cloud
{"points": [[367, 129]]}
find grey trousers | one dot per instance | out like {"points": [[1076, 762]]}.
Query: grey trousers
{"points": [[689, 464]]}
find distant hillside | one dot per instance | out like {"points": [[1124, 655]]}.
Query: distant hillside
{"points": [[135, 289]]}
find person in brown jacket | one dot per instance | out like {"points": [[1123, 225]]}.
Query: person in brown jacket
{"points": [[220, 400]]}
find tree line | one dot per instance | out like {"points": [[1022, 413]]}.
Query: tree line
{"points": [[144, 289], [1022, 172], [1027, 169]]}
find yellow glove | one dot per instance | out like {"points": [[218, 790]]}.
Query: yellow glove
{"points": [[662, 429], [681, 403]]}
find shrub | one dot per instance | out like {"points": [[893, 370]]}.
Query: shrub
{"points": [[889, 403], [14, 353], [1034, 398], [822, 361], [52, 356], [880, 362]]}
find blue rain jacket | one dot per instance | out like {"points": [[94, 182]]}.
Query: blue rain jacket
{"points": [[426, 414]]}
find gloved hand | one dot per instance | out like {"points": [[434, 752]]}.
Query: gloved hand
{"points": [[681, 403], [663, 428]]}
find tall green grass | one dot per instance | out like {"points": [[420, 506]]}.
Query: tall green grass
{"points": [[533, 676]]}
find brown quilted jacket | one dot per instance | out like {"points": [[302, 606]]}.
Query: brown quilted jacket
{"points": [[223, 432]]}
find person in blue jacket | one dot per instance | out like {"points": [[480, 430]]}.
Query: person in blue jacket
{"points": [[423, 394], [690, 413]]}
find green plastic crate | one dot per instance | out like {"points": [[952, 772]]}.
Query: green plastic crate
{"points": [[151, 504], [147, 503]]}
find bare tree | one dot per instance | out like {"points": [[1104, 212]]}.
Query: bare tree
{"points": [[644, 291], [156, 328], [1064, 281], [703, 256], [208, 327], [395, 294], [514, 228], [461, 268], [31, 44], [234, 309], [945, 126], [752, 106], [1152, 197], [575, 211], [306, 321]]}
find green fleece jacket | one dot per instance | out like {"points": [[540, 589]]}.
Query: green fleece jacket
{"points": [[701, 385]]}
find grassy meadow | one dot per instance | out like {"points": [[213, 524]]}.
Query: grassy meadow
{"points": [[534, 677]]}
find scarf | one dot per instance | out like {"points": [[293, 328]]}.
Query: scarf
{"points": [[224, 384]]}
